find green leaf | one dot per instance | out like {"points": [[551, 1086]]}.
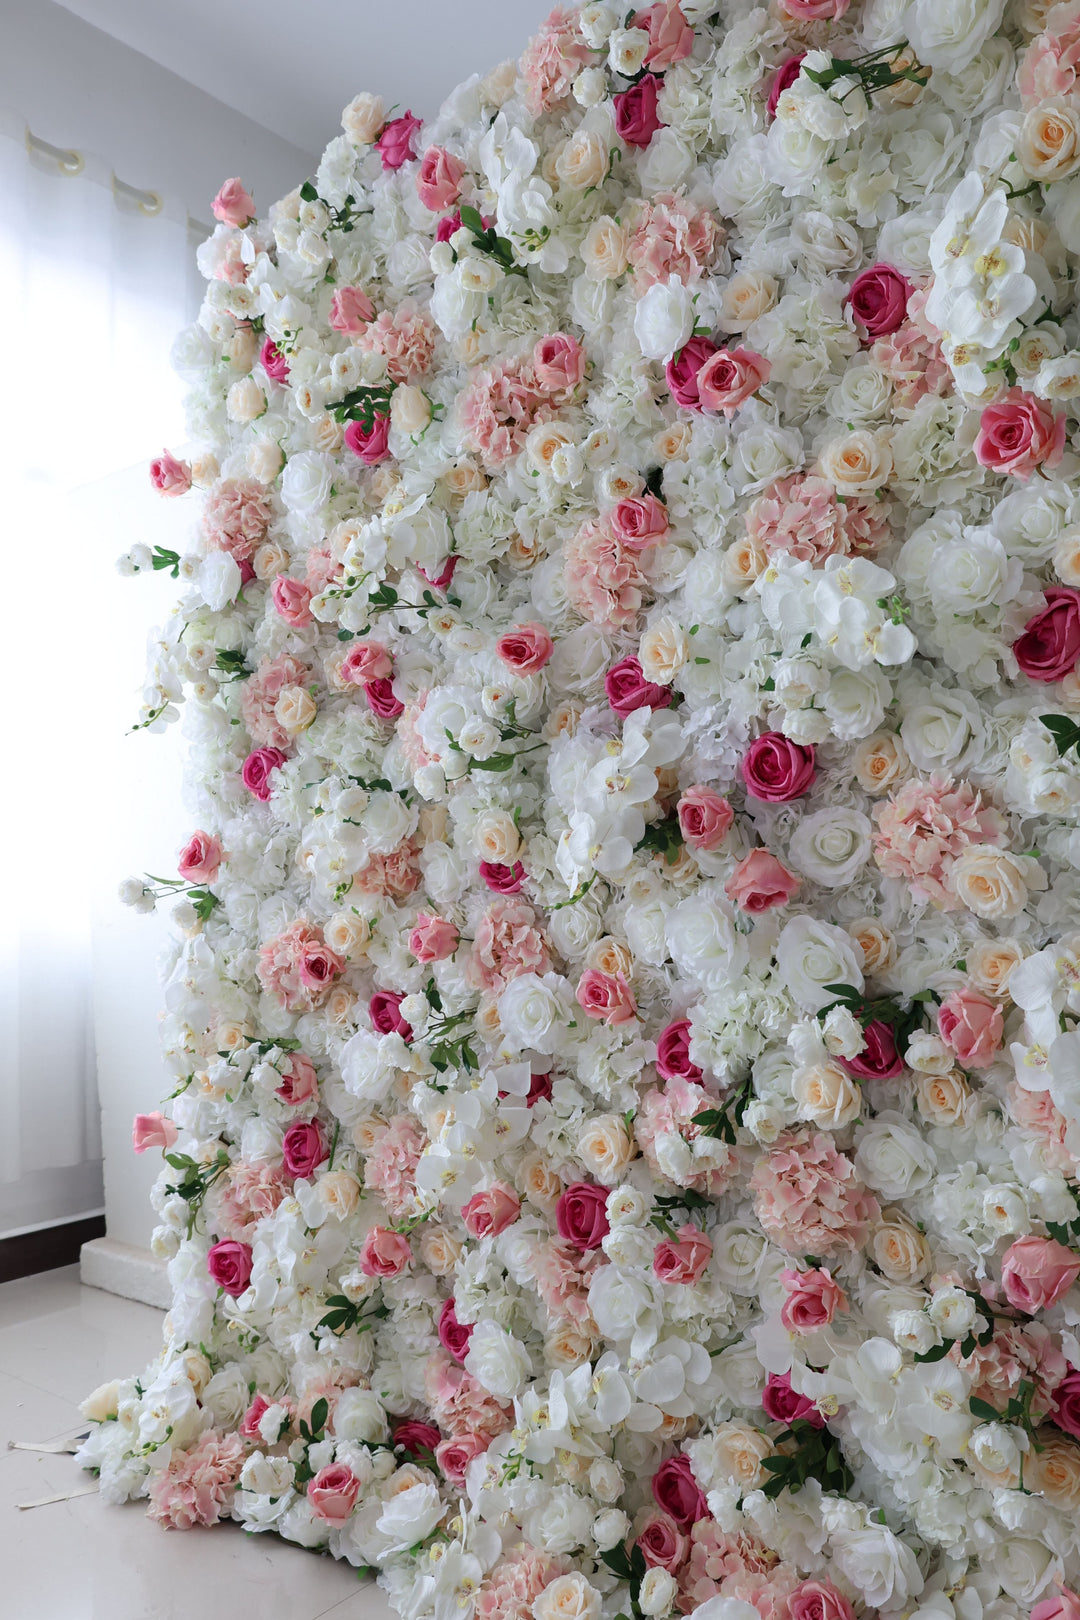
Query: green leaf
{"points": [[983, 1409], [494, 762], [308, 192], [319, 1414], [938, 1353], [1065, 732]]}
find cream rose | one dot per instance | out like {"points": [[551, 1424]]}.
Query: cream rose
{"points": [[857, 464], [743, 563], [245, 401], [583, 161], [739, 1452], [747, 296], [363, 119], [497, 838], [539, 1182], [879, 762], [568, 1597], [943, 1099], [439, 1250], [295, 709], [1048, 145], [606, 1147], [994, 883], [663, 651], [876, 942], [410, 410], [826, 1095], [990, 964], [605, 249], [899, 1249]]}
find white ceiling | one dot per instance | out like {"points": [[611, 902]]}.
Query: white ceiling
{"points": [[293, 64]]}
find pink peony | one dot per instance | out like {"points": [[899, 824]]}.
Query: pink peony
{"points": [[808, 1197], [1048, 66], [776, 769], [705, 817], [298, 968], [236, 517], [552, 61], [669, 1113], [671, 241], [729, 377], [350, 310], [972, 1026], [673, 1059], [292, 600], [459, 1403], [606, 996], [250, 1193], [1019, 433], [198, 1486], [333, 1493], [258, 700], [925, 826], [395, 144], [200, 859], [637, 118], [491, 1211], [525, 649], [678, 1493], [627, 689], [683, 1258], [384, 1253], [813, 1299], [438, 179], [433, 938], [1036, 1272], [1049, 648], [170, 476], [405, 339], [390, 1169], [152, 1131], [800, 517], [760, 882], [233, 204], [506, 944], [603, 578], [499, 405], [511, 1588]]}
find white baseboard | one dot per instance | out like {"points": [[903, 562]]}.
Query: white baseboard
{"points": [[119, 1268]]}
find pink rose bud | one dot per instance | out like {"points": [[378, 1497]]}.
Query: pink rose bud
{"points": [[384, 1253], [581, 1215], [662, 1543], [233, 204], [249, 1426], [681, 371], [200, 859], [381, 700], [1049, 648], [257, 770], [760, 882], [627, 689], [169, 476], [729, 377], [673, 1060], [442, 580], [878, 300], [433, 938], [454, 1455], [705, 817], [671, 37], [1019, 433], [229, 1265], [526, 648], [781, 1403], [1063, 1605], [385, 1010], [818, 1600], [683, 1258], [274, 362], [782, 80], [813, 1299], [304, 1147], [396, 144], [333, 1493], [153, 1131], [490, 1212], [636, 117], [606, 996], [350, 310], [292, 599], [776, 769], [639, 521], [371, 445], [972, 1026], [438, 179], [366, 660], [676, 1490], [454, 1336], [502, 879], [1036, 1272], [560, 362], [299, 1083], [879, 1058]]}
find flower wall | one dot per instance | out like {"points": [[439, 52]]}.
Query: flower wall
{"points": [[624, 1149]]}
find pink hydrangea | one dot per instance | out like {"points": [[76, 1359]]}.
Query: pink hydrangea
{"points": [[461, 1405], [670, 1113], [808, 1197], [1049, 65], [198, 1486], [604, 581], [390, 1170], [552, 60], [1036, 1111], [406, 338], [512, 1587], [925, 826], [506, 943], [393, 876], [260, 694], [298, 968], [913, 363], [671, 241], [716, 1559], [498, 406], [1018, 1352], [799, 517], [250, 1192], [236, 517]]}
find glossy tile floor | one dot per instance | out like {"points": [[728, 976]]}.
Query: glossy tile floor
{"points": [[81, 1560]]}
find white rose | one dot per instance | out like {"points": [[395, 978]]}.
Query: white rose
{"points": [[410, 1516], [627, 49], [360, 1417], [610, 1527], [560, 1522], [893, 1158], [811, 954], [946, 37], [218, 580], [664, 319], [227, 1397], [880, 1568], [386, 821], [533, 1012], [703, 942], [943, 730], [952, 1311], [657, 1593], [830, 846], [307, 481]]}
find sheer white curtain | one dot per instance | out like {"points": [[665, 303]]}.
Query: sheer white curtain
{"points": [[92, 291]]}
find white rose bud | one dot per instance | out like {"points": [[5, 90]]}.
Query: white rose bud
{"points": [[657, 1594], [627, 50], [410, 409], [610, 1528]]}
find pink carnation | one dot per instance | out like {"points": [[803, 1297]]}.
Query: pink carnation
{"points": [[198, 1486], [260, 695], [1048, 66], [499, 405], [808, 1197], [671, 241], [390, 1169], [461, 1405], [512, 1587], [925, 826], [394, 876], [249, 1194], [913, 363], [798, 517]]}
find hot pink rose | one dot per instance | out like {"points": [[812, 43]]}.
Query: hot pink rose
{"points": [[233, 205], [681, 371], [332, 1494], [606, 996], [972, 1026], [292, 599], [878, 300], [526, 648], [673, 1059], [1067, 1403], [381, 700], [879, 1058], [676, 1490], [200, 859], [776, 769], [814, 10], [371, 444], [782, 80], [229, 1265], [818, 1600], [491, 1211], [502, 879], [350, 310], [760, 882], [257, 768], [636, 117], [396, 143], [1036, 1271], [433, 938], [274, 362], [416, 1437], [169, 476], [153, 1131], [559, 362], [1049, 648], [299, 1082], [454, 1336], [705, 817], [627, 689], [781, 1403], [438, 179], [729, 377], [581, 1215], [454, 1455], [683, 1258], [662, 1543], [813, 1299], [304, 1148], [1019, 433], [671, 37], [1064, 1605], [366, 660], [385, 1010], [384, 1253], [442, 580], [639, 521]]}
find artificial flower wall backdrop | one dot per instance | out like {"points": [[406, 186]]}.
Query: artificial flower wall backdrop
{"points": [[623, 1153]]}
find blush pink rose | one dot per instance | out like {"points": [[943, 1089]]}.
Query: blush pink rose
{"points": [[350, 310], [813, 1299], [333, 1493], [491, 1211], [233, 204], [818, 1600], [676, 1490], [639, 521], [705, 817], [303, 1148], [784, 1405], [292, 599], [1064, 1605], [671, 37], [200, 859], [384, 1253], [681, 371], [878, 300], [370, 444], [454, 1336], [636, 116], [249, 1426], [814, 10], [385, 1010], [683, 1258], [502, 879], [606, 996], [395, 145], [1019, 433], [455, 1453], [1049, 647], [317, 966], [153, 1131], [1036, 1271], [438, 179], [662, 1543], [381, 699], [257, 768], [879, 1058], [760, 882], [776, 769], [673, 1060], [366, 660], [229, 1265], [782, 80], [729, 377], [170, 476], [433, 938], [627, 689], [972, 1026], [581, 1215], [274, 362], [559, 362], [526, 648], [299, 1082]]}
